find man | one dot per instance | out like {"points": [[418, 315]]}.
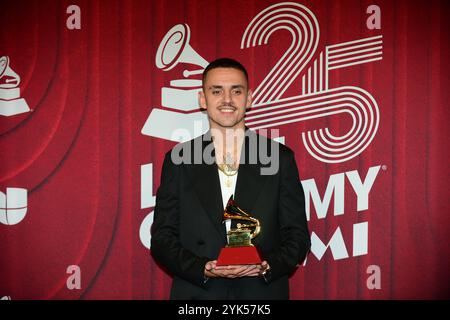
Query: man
{"points": [[198, 178]]}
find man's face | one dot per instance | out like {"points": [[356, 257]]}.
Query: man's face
{"points": [[225, 97]]}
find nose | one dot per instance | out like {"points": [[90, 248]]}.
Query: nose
{"points": [[227, 96]]}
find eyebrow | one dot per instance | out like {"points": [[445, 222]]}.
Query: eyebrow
{"points": [[236, 86]]}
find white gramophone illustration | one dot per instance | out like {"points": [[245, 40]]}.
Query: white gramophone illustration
{"points": [[10, 101], [180, 100]]}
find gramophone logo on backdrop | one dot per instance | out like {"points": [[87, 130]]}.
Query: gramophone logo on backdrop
{"points": [[10, 101], [180, 100], [180, 111]]}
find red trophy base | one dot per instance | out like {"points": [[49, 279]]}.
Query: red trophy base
{"points": [[238, 255]]}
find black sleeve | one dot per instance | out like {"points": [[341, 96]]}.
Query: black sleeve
{"points": [[295, 239], [165, 244]]}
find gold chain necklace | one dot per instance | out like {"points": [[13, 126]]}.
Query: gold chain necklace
{"points": [[229, 168]]}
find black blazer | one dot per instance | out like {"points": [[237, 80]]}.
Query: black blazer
{"points": [[187, 230]]}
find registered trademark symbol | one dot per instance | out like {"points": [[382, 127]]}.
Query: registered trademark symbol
{"points": [[384, 167]]}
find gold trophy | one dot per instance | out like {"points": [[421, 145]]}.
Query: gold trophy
{"points": [[239, 250]]}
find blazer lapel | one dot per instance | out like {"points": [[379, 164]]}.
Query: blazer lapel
{"points": [[207, 186], [249, 181]]}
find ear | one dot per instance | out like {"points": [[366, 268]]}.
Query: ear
{"points": [[202, 100], [249, 99]]}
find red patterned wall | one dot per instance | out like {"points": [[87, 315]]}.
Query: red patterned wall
{"points": [[79, 150]]}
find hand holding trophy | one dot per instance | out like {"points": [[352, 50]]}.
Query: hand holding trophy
{"points": [[239, 250]]}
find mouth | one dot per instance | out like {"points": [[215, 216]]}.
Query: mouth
{"points": [[227, 109]]}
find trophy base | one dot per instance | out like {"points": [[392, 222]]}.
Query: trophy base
{"points": [[238, 255]]}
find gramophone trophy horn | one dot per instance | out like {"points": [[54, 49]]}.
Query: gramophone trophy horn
{"points": [[175, 48], [239, 250], [247, 224]]}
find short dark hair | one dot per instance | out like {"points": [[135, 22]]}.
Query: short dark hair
{"points": [[224, 63]]}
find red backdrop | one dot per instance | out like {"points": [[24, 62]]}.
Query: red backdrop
{"points": [[81, 156]]}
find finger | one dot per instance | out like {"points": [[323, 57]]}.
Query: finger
{"points": [[211, 265], [251, 272], [221, 267], [237, 271], [246, 270], [208, 266], [225, 267], [231, 266], [232, 272], [226, 274]]}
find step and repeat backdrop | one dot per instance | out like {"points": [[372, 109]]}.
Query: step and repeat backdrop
{"points": [[94, 93]]}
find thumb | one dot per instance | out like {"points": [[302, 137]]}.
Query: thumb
{"points": [[210, 265]]}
